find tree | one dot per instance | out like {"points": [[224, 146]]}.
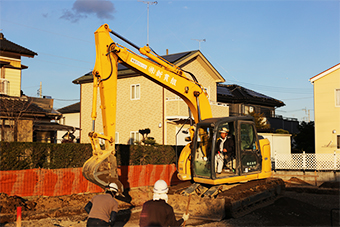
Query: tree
{"points": [[145, 133], [260, 120], [305, 139], [281, 131], [14, 123]]}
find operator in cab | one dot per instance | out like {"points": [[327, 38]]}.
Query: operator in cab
{"points": [[225, 147], [102, 209], [157, 212]]}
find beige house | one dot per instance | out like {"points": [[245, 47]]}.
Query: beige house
{"points": [[143, 104], [10, 66], [71, 116], [23, 118], [327, 110]]}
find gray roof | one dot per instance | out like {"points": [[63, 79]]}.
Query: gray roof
{"points": [[74, 108], [232, 93], [25, 106], [123, 70], [8, 46]]}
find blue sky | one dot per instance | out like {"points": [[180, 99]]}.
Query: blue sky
{"points": [[272, 47]]}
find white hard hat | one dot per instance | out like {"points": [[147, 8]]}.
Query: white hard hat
{"points": [[160, 187], [112, 187], [224, 130]]}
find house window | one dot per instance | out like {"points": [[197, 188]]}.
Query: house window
{"points": [[337, 97], [135, 91], [134, 137]]}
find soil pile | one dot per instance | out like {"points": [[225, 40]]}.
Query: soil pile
{"points": [[60, 206], [295, 208]]}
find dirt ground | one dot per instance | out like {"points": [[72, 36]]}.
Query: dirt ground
{"points": [[298, 206]]}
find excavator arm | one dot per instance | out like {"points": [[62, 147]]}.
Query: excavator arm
{"points": [[214, 196], [154, 68], [101, 168]]}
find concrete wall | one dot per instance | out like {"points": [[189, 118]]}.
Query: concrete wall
{"points": [[279, 143], [309, 176]]}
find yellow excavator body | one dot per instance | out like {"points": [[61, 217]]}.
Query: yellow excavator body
{"points": [[214, 194]]}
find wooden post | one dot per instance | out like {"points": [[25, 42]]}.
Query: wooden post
{"points": [[316, 181], [187, 211], [18, 216]]}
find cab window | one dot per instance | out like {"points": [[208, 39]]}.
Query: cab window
{"points": [[202, 155], [250, 152]]}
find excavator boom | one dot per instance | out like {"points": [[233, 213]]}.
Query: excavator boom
{"points": [[249, 162], [101, 168]]}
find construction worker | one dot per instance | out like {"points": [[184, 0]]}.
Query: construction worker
{"points": [[103, 208], [157, 212], [220, 150], [225, 150]]}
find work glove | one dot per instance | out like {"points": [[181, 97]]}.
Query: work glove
{"points": [[185, 217]]}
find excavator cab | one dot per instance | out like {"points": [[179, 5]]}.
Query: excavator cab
{"points": [[245, 158]]}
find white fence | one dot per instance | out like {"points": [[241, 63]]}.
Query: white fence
{"points": [[307, 161]]}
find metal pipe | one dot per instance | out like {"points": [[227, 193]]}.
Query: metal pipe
{"points": [[198, 109], [125, 40]]}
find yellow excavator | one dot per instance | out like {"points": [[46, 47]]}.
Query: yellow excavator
{"points": [[246, 186]]}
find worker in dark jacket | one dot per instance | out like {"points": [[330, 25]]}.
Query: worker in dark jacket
{"points": [[225, 149], [157, 212], [103, 208]]}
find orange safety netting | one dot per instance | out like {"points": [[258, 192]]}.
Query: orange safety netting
{"points": [[57, 182]]}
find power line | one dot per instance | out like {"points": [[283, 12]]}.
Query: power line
{"points": [[67, 99], [66, 58], [55, 33], [299, 98], [280, 89], [266, 87], [59, 63]]}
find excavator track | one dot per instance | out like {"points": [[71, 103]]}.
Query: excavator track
{"points": [[225, 201]]}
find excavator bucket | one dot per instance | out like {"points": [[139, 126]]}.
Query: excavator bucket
{"points": [[101, 169]]}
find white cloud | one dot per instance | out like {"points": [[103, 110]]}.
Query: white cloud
{"points": [[102, 9]]}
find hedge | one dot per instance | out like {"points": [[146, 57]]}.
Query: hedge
{"points": [[27, 155]]}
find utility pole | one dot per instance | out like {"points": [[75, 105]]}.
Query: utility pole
{"points": [[305, 109], [39, 91], [148, 5], [199, 42]]}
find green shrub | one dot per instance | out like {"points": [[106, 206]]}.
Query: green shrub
{"points": [[281, 131], [26, 155]]}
